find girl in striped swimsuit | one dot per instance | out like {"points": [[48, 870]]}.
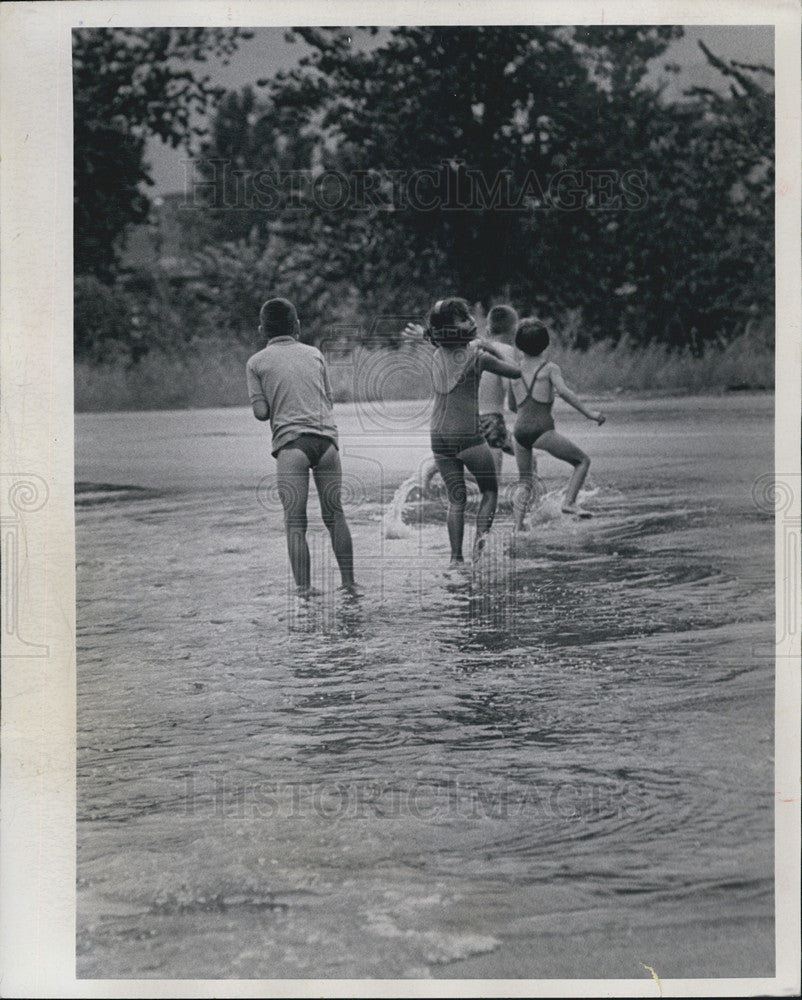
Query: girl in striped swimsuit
{"points": [[531, 396]]}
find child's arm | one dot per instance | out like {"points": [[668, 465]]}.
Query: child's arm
{"points": [[494, 362], [261, 409], [326, 383], [571, 397], [491, 348], [414, 331]]}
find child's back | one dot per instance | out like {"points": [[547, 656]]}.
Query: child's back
{"points": [[291, 378], [533, 394], [502, 322], [287, 382]]}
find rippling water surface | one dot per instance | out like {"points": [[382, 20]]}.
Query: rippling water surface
{"points": [[555, 765]]}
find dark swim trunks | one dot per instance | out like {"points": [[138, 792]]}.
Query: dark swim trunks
{"points": [[450, 445], [494, 431], [314, 446]]}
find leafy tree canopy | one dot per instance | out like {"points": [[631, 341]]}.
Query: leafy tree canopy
{"points": [[131, 84]]}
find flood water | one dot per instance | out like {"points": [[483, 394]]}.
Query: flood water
{"points": [[556, 765]]}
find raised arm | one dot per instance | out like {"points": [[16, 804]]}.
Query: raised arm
{"points": [[488, 362], [414, 331], [491, 348], [570, 397]]}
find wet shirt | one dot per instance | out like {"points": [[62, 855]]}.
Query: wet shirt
{"points": [[291, 378]]}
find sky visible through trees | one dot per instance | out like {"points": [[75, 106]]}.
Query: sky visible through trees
{"points": [[268, 52]]}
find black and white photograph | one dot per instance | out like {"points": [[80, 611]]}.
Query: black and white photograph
{"points": [[412, 546]]}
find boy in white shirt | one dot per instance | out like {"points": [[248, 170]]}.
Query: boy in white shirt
{"points": [[288, 384]]}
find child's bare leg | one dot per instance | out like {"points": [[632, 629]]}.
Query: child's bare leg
{"points": [[576, 481], [451, 471], [559, 446], [523, 490], [293, 489], [328, 482], [498, 461], [479, 462]]}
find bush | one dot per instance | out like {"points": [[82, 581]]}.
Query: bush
{"points": [[102, 320], [212, 373]]}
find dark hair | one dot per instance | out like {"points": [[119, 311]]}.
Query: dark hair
{"points": [[278, 317], [502, 319], [532, 337], [450, 322]]}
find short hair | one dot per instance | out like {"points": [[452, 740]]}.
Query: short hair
{"points": [[502, 320], [450, 321], [278, 318], [532, 336]]}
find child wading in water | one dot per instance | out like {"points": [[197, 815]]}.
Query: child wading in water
{"points": [[457, 442], [532, 396], [288, 383], [502, 322]]}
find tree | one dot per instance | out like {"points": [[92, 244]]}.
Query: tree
{"points": [[131, 84], [532, 164], [495, 116]]}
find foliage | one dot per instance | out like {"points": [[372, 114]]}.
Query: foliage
{"points": [[101, 320], [606, 180], [478, 106], [561, 182], [130, 84], [211, 373]]}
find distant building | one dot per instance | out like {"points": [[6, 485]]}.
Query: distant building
{"points": [[167, 241]]}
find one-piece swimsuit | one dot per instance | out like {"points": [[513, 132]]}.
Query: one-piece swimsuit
{"points": [[455, 419], [534, 418]]}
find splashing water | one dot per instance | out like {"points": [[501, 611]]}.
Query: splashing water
{"points": [[392, 524], [415, 487], [548, 505], [545, 767]]}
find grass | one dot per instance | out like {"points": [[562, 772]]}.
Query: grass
{"points": [[213, 374]]}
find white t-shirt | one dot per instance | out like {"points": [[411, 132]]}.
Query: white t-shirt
{"points": [[291, 378]]}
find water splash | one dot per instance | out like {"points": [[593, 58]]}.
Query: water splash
{"points": [[549, 506], [415, 487]]}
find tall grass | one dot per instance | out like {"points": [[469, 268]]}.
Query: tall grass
{"points": [[605, 367], [213, 374]]}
